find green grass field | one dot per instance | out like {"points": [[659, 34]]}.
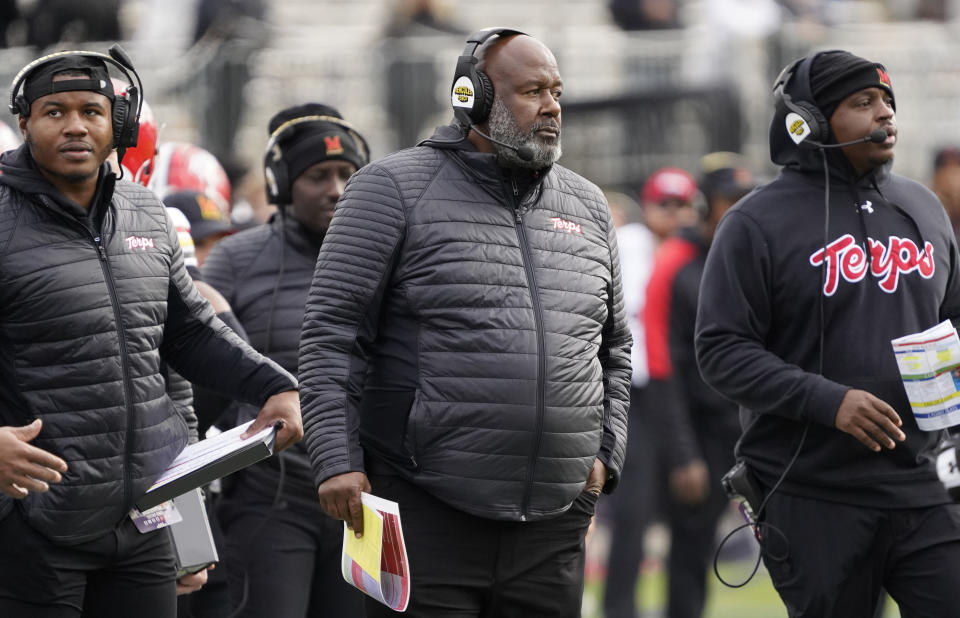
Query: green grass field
{"points": [[757, 599]]}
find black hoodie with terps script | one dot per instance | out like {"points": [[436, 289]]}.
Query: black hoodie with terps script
{"points": [[759, 326]]}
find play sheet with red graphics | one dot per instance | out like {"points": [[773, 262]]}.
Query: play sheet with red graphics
{"points": [[377, 563]]}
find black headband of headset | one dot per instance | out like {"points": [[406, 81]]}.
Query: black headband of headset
{"points": [[115, 56]]}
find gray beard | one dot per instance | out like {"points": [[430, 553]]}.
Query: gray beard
{"points": [[503, 127]]}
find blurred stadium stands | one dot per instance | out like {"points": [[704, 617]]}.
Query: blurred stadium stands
{"points": [[633, 101]]}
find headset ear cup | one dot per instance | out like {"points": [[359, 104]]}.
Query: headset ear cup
{"points": [[275, 172], [819, 127], [121, 108], [21, 105], [483, 98]]}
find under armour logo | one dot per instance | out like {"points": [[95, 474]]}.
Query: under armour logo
{"points": [[867, 206]]}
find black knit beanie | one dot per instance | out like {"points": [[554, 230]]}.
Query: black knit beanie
{"points": [[307, 143], [835, 75]]}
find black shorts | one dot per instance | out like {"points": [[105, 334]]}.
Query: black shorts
{"points": [[120, 574]]}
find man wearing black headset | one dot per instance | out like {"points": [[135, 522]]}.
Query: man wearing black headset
{"points": [[806, 283], [282, 550], [465, 351], [94, 296]]}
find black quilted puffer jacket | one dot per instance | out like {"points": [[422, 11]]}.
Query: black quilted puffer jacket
{"points": [[465, 326], [88, 306]]}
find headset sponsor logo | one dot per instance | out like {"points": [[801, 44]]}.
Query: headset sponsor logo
{"points": [[462, 93], [567, 226], [139, 242], [797, 127], [333, 145], [900, 256]]}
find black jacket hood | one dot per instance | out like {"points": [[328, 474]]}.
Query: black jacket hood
{"points": [[18, 170]]}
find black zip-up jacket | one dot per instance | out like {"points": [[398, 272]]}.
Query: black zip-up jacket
{"points": [[467, 334], [88, 307], [265, 273], [759, 327]]}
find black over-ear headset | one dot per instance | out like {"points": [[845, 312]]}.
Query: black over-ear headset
{"points": [[126, 110], [275, 168], [472, 90], [805, 123]]}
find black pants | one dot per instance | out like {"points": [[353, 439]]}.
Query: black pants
{"points": [[634, 507], [284, 559], [833, 560], [693, 534], [462, 565], [121, 574]]}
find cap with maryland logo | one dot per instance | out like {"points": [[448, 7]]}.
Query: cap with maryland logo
{"points": [[205, 217], [312, 142]]}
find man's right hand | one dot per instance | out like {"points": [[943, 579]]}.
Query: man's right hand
{"points": [[870, 420], [340, 498], [24, 467]]}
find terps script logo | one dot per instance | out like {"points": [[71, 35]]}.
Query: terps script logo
{"points": [[567, 226], [139, 242], [901, 256]]}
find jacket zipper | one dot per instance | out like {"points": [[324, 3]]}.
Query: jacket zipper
{"points": [[124, 366], [97, 241], [541, 351]]}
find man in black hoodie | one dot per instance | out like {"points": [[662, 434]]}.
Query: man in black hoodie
{"points": [[94, 296], [278, 538], [807, 281]]}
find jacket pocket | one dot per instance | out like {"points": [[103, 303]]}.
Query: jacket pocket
{"points": [[414, 429]]}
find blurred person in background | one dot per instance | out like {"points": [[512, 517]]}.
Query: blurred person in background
{"points": [[666, 204], [946, 183], [413, 32], [828, 263], [208, 224], [282, 549], [695, 429]]}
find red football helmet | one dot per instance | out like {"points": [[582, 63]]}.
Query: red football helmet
{"points": [[138, 161], [181, 166]]}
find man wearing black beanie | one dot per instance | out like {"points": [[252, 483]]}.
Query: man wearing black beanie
{"points": [[847, 493], [283, 550]]}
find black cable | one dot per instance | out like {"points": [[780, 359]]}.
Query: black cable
{"points": [[758, 525]]}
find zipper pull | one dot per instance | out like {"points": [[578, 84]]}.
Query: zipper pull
{"points": [[513, 183], [99, 243]]}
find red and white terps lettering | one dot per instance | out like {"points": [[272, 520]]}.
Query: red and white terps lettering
{"points": [[900, 256]]}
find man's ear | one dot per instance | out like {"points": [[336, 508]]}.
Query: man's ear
{"points": [[22, 123]]}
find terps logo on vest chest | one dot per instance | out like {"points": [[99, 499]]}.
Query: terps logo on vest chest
{"points": [[138, 242], [566, 226], [900, 256]]}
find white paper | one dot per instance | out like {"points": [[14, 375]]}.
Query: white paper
{"points": [[201, 453], [929, 364]]}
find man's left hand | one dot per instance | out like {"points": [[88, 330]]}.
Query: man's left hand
{"points": [[285, 408], [597, 478], [192, 582]]}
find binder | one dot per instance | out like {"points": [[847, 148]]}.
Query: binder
{"points": [[207, 460], [192, 537]]}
